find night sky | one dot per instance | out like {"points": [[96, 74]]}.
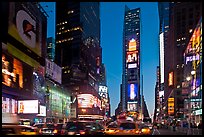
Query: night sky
{"points": [[112, 19]]}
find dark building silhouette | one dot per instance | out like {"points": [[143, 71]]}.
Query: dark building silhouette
{"points": [[78, 49]]}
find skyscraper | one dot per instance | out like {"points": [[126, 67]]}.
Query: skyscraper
{"points": [[78, 49], [77, 33], [131, 60], [177, 21]]}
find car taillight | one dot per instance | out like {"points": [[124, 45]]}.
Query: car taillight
{"points": [[55, 131], [82, 132]]}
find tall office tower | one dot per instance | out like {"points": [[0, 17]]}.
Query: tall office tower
{"points": [[77, 41], [78, 51], [183, 18], [131, 60], [51, 48]]}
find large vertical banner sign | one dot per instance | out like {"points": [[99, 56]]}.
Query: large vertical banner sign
{"points": [[132, 91], [132, 52], [170, 106]]}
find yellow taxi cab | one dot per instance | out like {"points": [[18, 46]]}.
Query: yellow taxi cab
{"points": [[145, 130], [111, 128], [18, 130], [128, 128]]}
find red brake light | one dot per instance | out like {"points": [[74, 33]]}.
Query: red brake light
{"points": [[82, 132]]}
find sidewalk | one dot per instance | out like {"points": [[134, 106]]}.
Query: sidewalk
{"points": [[170, 132]]}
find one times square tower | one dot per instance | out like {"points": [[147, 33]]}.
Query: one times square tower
{"points": [[131, 61]]}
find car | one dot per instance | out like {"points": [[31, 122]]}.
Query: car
{"points": [[82, 128], [15, 129], [128, 128], [145, 129], [46, 128], [58, 127], [111, 128]]}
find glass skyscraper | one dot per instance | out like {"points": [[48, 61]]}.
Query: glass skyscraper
{"points": [[130, 98]]}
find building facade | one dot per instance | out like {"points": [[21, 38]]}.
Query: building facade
{"points": [[23, 59], [78, 49], [183, 17], [192, 83], [131, 60]]}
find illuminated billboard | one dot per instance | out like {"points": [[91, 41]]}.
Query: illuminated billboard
{"points": [[103, 89], [16, 74], [42, 111], [161, 51], [9, 105], [133, 65], [132, 45], [28, 25], [132, 56], [193, 52], [132, 91], [88, 101], [132, 106], [170, 106], [171, 78], [28, 106]]}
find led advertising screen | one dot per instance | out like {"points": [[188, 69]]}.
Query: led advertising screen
{"points": [[9, 105], [132, 43], [132, 91], [88, 101], [28, 106], [133, 65], [132, 106], [170, 105], [16, 74], [170, 80], [132, 56], [27, 25], [103, 89], [42, 111]]}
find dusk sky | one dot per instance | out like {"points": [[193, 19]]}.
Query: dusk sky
{"points": [[112, 19]]}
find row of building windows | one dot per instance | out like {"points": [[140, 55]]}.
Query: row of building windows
{"points": [[183, 38], [65, 22], [64, 40], [177, 66], [69, 30]]}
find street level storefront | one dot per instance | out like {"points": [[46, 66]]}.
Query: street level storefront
{"points": [[58, 103]]}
